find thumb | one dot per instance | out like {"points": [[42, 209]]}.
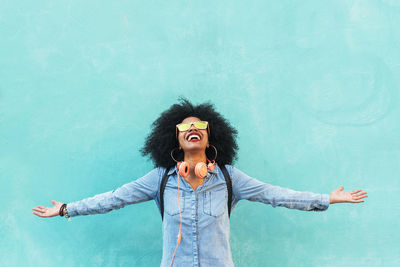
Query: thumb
{"points": [[54, 202], [341, 188]]}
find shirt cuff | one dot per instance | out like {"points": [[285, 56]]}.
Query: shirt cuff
{"points": [[71, 208], [325, 199]]}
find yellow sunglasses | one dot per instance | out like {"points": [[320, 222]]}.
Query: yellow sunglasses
{"points": [[201, 125]]}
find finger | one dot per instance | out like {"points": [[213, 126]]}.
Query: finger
{"points": [[55, 202], [360, 197], [39, 210], [353, 201], [360, 194], [355, 191], [41, 207], [341, 188]]}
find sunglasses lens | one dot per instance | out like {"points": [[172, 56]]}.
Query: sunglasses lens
{"points": [[183, 127], [200, 125]]}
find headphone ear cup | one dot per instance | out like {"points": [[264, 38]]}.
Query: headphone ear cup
{"points": [[200, 170], [211, 166], [183, 168]]}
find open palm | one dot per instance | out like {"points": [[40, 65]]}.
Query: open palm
{"points": [[337, 196], [43, 211]]}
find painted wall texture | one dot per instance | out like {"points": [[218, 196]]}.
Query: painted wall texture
{"points": [[311, 86]]}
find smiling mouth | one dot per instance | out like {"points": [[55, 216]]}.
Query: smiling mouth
{"points": [[193, 137]]}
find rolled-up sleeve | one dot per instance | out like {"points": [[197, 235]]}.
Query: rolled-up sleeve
{"points": [[246, 187], [140, 190]]}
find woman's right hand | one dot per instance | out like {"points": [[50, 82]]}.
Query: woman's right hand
{"points": [[43, 211]]}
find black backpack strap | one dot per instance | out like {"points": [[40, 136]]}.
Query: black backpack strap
{"points": [[162, 189], [229, 186]]}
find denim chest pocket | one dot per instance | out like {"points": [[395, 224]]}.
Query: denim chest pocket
{"points": [[171, 201], [215, 202]]}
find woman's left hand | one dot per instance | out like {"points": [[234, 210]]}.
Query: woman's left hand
{"points": [[337, 196]]}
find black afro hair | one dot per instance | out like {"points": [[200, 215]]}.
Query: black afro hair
{"points": [[162, 138]]}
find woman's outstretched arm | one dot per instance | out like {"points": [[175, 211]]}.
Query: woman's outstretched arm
{"points": [[246, 187], [142, 189]]}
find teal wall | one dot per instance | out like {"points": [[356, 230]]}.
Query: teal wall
{"points": [[312, 87]]}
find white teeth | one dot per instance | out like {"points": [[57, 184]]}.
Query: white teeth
{"points": [[194, 136]]}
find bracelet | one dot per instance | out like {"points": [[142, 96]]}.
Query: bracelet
{"points": [[61, 212], [65, 212]]}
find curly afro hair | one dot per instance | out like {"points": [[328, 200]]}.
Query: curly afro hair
{"points": [[162, 139]]}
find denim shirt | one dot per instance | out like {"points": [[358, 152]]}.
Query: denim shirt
{"points": [[205, 221]]}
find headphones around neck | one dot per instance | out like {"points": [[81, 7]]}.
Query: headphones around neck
{"points": [[201, 168]]}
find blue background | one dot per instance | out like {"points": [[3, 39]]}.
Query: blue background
{"points": [[312, 87]]}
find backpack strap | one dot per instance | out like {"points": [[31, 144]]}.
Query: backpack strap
{"points": [[162, 189], [229, 187]]}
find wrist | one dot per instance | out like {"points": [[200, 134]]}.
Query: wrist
{"points": [[61, 211], [331, 199]]}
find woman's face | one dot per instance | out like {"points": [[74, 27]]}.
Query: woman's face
{"points": [[193, 145]]}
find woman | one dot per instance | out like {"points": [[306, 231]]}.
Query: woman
{"points": [[195, 196]]}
